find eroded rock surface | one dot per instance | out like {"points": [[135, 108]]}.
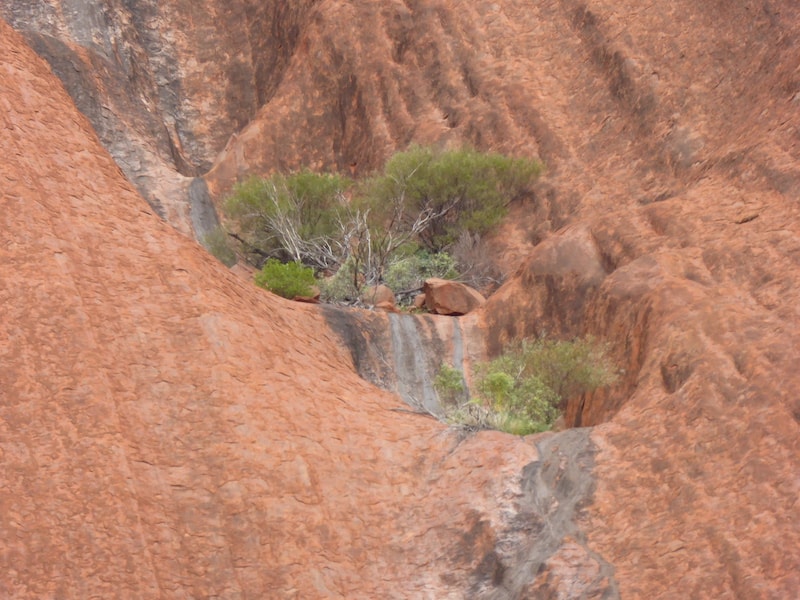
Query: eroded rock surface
{"points": [[165, 84], [667, 223], [682, 256], [170, 430]]}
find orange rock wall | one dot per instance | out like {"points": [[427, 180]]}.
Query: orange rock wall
{"points": [[160, 411], [168, 430]]}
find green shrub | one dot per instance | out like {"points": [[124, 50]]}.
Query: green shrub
{"points": [[569, 368], [410, 272], [520, 403], [523, 390], [216, 242], [341, 287], [286, 279], [423, 198], [249, 207], [449, 385], [292, 217]]}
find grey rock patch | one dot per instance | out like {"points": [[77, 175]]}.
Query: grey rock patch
{"points": [[412, 364], [554, 491], [201, 208]]}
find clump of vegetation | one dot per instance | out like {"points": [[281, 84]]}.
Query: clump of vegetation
{"points": [[290, 280], [449, 385], [525, 389], [443, 193], [296, 217], [408, 273], [395, 227], [343, 286]]}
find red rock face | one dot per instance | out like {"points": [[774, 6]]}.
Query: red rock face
{"points": [[168, 430]]}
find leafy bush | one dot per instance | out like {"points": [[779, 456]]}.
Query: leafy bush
{"points": [[527, 385], [522, 391], [216, 242], [521, 402], [569, 368], [342, 286], [286, 279], [423, 197], [410, 272], [439, 194], [296, 217], [449, 385]]}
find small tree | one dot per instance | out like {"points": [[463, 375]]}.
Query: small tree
{"points": [[301, 217], [439, 194]]}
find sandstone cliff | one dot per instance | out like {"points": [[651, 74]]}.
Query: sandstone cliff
{"points": [[171, 431]]}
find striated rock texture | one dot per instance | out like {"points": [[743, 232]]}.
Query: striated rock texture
{"points": [[168, 430], [667, 224], [683, 255]]}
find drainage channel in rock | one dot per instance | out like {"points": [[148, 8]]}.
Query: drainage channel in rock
{"points": [[400, 353], [412, 364], [201, 209], [543, 553]]}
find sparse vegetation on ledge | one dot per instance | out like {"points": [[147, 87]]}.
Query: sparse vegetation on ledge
{"points": [[422, 216], [525, 389]]}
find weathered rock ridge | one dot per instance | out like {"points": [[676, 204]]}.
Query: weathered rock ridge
{"points": [[667, 224]]}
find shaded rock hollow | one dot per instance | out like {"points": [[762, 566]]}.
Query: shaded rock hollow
{"points": [[666, 224]]}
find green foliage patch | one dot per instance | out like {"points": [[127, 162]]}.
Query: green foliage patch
{"points": [[453, 191], [295, 217], [524, 390], [410, 272], [343, 286], [394, 227], [449, 385], [289, 280]]}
